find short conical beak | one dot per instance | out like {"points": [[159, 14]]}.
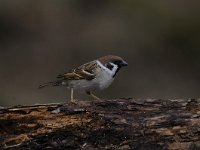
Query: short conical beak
{"points": [[124, 63]]}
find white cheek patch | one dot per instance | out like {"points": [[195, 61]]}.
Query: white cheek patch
{"points": [[114, 67], [111, 72], [109, 66], [103, 67]]}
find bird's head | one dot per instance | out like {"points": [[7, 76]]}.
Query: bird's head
{"points": [[113, 63]]}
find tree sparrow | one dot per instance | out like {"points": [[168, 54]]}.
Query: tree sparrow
{"points": [[95, 75]]}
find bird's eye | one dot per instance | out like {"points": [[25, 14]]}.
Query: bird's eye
{"points": [[109, 66], [117, 62]]}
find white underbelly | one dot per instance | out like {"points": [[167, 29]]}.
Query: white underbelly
{"points": [[101, 82]]}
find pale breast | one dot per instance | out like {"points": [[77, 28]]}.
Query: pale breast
{"points": [[101, 81]]}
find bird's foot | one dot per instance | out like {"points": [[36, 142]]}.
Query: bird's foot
{"points": [[73, 101], [94, 96]]}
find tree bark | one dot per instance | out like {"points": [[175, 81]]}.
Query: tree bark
{"points": [[108, 124]]}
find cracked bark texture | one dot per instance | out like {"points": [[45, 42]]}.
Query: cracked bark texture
{"points": [[125, 123]]}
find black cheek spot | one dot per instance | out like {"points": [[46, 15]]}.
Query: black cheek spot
{"points": [[109, 66]]}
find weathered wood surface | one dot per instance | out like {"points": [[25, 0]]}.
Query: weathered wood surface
{"points": [[110, 124]]}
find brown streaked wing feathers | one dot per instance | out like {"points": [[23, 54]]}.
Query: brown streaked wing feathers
{"points": [[80, 72]]}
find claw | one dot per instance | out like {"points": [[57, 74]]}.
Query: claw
{"points": [[91, 94]]}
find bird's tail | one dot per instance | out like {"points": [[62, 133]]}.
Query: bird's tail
{"points": [[53, 83]]}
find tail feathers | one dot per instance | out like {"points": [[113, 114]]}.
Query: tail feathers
{"points": [[54, 83]]}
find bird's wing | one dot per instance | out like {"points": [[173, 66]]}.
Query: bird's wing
{"points": [[86, 71]]}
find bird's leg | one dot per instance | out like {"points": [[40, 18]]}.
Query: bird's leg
{"points": [[72, 95], [91, 94]]}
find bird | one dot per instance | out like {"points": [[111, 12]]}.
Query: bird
{"points": [[91, 76]]}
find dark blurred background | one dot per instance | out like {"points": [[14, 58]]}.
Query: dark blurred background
{"points": [[40, 39]]}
